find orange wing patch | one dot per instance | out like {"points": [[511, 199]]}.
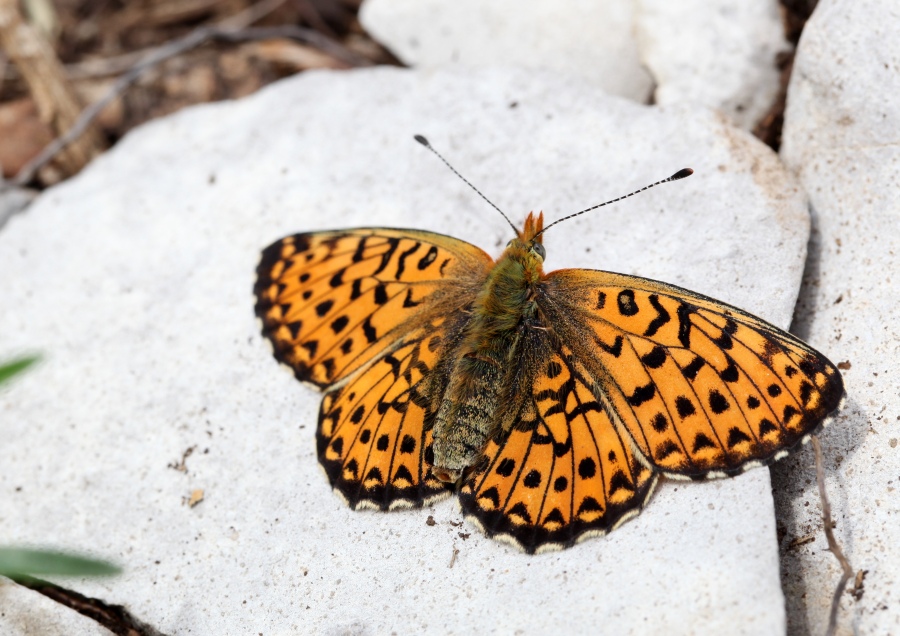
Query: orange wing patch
{"points": [[563, 472], [331, 302], [704, 389], [372, 439]]}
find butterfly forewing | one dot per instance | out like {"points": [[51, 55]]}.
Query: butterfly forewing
{"points": [[367, 314], [703, 388], [562, 472], [331, 302]]}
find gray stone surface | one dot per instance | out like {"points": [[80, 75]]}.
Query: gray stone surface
{"points": [[134, 279], [590, 39], [841, 137], [721, 54], [12, 200]]}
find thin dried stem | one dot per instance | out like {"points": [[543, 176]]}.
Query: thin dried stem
{"points": [[115, 618], [832, 542]]}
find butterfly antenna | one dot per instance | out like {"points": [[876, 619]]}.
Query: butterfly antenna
{"points": [[681, 174], [425, 143]]}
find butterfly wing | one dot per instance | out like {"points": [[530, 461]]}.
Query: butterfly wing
{"points": [[332, 302], [374, 439], [367, 314], [703, 389], [562, 472]]}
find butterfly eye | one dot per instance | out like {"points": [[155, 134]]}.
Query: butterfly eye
{"points": [[538, 249]]}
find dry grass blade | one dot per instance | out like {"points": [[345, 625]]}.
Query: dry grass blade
{"points": [[832, 543], [115, 618]]}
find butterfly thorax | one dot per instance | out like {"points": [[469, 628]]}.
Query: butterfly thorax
{"points": [[480, 379]]}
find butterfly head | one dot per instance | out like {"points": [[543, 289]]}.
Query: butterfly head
{"points": [[527, 245]]}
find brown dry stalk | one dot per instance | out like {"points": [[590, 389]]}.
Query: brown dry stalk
{"points": [[115, 618], [52, 92], [832, 542]]}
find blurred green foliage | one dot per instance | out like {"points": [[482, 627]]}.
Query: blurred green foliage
{"points": [[25, 563]]}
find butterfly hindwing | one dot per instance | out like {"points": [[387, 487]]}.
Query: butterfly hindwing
{"points": [[333, 301], [373, 441], [562, 472], [703, 388]]}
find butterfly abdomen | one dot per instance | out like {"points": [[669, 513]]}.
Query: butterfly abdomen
{"points": [[467, 416]]}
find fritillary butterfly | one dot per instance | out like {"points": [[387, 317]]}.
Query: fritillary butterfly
{"points": [[552, 403]]}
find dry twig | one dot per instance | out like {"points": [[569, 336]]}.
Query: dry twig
{"points": [[115, 618], [832, 543]]}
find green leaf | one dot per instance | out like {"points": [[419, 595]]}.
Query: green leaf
{"points": [[10, 369], [17, 563]]}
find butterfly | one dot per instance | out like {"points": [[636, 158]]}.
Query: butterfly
{"points": [[552, 403]]}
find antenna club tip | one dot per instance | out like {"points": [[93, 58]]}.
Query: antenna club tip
{"points": [[421, 139], [681, 174]]}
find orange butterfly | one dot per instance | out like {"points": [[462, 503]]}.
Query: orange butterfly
{"points": [[552, 402]]}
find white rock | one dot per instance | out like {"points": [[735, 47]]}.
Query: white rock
{"points": [[591, 39], [840, 136], [721, 54], [135, 277], [12, 200]]}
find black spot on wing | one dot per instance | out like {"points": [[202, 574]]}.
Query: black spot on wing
{"points": [[806, 390], [659, 423], [587, 468], [324, 307], [642, 394], [428, 259], [408, 445], [684, 325], [718, 403], [626, 302], [729, 373], [381, 296], [520, 510], [532, 479], [684, 406], [409, 302], [666, 449], [736, 436], [693, 368], [662, 317], [615, 349], [766, 427], [401, 260], [655, 358], [724, 340], [506, 467], [403, 474], [369, 331], [619, 481], [701, 441], [338, 324]]}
